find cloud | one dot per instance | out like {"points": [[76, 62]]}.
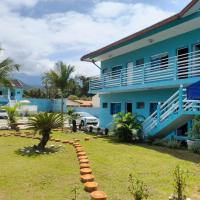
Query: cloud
{"points": [[19, 3], [37, 43]]}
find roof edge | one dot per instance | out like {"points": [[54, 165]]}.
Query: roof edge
{"points": [[139, 33]]}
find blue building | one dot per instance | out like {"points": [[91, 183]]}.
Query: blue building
{"points": [[11, 95], [149, 72]]}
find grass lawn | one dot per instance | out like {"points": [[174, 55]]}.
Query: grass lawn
{"points": [[54, 176]]}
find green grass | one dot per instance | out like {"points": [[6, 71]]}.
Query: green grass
{"points": [[54, 176]]}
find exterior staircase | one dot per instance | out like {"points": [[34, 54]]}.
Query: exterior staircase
{"points": [[170, 115]]}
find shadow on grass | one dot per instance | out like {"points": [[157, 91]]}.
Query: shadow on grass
{"points": [[31, 151], [181, 153]]}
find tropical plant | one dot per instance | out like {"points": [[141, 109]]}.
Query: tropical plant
{"points": [[195, 147], [72, 117], [60, 78], [43, 123], [6, 67], [173, 144], [180, 177], [138, 189], [128, 127], [12, 114], [195, 132]]}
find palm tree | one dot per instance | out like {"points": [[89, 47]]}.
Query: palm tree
{"points": [[72, 117], [6, 67], [12, 115], [60, 78], [43, 123]]}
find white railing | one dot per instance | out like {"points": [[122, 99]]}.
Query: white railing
{"points": [[172, 68], [176, 104]]}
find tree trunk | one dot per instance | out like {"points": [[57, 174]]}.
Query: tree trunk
{"points": [[74, 127], [43, 141], [62, 111]]}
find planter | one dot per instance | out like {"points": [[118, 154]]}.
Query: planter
{"points": [[190, 142]]}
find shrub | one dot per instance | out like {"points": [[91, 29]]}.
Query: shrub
{"points": [[72, 97], [138, 189], [159, 142], [180, 177], [195, 148], [173, 144], [128, 127], [195, 132]]}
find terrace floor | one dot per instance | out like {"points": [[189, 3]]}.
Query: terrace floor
{"points": [[54, 176]]}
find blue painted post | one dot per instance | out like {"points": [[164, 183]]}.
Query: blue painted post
{"points": [[175, 68], [120, 78], [158, 113], [143, 74], [180, 99]]}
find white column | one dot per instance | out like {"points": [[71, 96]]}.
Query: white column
{"points": [[9, 94]]}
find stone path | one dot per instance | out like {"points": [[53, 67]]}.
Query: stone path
{"points": [[86, 174]]}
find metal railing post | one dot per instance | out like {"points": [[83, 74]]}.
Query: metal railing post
{"points": [[158, 113], [180, 99]]}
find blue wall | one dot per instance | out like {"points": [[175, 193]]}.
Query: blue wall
{"points": [[44, 105], [170, 46], [132, 97]]}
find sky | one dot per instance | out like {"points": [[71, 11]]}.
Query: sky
{"points": [[39, 33]]}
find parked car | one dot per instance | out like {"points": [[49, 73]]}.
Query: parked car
{"points": [[87, 119], [3, 114], [3, 119]]}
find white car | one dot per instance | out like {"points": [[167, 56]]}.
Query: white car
{"points": [[87, 119], [3, 119]]}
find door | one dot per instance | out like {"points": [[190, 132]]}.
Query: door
{"points": [[153, 107], [195, 66], [129, 107], [182, 131], [182, 62]]}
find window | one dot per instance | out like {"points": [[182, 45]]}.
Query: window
{"points": [[12, 94], [139, 62], [116, 71], [105, 105], [115, 108], [1, 93], [140, 105], [159, 61]]}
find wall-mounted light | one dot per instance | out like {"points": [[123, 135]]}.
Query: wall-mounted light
{"points": [[150, 40]]}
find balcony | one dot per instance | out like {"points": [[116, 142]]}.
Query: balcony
{"points": [[168, 72]]}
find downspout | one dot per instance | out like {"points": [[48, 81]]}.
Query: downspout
{"points": [[96, 64]]}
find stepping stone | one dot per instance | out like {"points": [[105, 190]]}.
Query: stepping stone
{"points": [[85, 171], [77, 140], [98, 195], [82, 157], [90, 186], [83, 161], [71, 142], [81, 154], [57, 140], [23, 136], [75, 143], [65, 142], [84, 165], [87, 178], [95, 137], [87, 139], [79, 150]]}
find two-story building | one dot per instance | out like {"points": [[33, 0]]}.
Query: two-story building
{"points": [[12, 94], [149, 73]]}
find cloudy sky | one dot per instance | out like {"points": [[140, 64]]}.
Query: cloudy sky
{"points": [[38, 33]]}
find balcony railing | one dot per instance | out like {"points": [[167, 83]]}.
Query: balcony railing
{"points": [[173, 68]]}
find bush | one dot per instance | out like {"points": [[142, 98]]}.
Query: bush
{"points": [[173, 144], [127, 127], [138, 189], [195, 132], [72, 97], [179, 183], [159, 142], [195, 148]]}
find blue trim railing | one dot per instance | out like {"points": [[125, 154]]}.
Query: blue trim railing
{"points": [[172, 68], [177, 105]]}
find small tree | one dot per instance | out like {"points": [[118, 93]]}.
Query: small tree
{"points": [[179, 183], [12, 115], [128, 127], [138, 189], [195, 132], [43, 123]]}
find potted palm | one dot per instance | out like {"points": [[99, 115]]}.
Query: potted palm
{"points": [[194, 133], [43, 123]]}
